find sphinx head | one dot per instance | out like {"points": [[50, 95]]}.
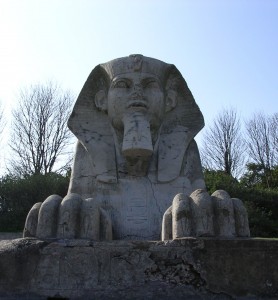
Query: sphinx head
{"points": [[141, 98], [136, 86]]}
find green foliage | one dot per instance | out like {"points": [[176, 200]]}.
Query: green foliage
{"points": [[219, 180], [18, 195], [261, 203], [260, 177]]}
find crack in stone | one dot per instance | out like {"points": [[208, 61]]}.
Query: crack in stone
{"points": [[153, 192]]}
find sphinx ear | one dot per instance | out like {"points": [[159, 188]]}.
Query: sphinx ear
{"points": [[171, 100], [101, 100]]}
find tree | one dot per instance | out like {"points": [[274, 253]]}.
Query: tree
{"points": [[261, 204], [18, 195], [40, 137], [222, 146], [2, 119], [262, 145], [3, 136]]}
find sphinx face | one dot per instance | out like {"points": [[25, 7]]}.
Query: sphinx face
{"points": [[136, 92]]}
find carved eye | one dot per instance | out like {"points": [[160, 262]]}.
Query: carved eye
{"points": [[151, 84], [121, 84]]}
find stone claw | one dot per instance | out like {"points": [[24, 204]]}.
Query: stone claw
{"points": [[70, 218], [200, 215]]}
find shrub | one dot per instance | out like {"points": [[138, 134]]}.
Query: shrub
{"points": [[261, 204], [18, 195]]}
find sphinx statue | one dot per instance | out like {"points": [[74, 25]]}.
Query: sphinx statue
{"points": [[137, 172]]}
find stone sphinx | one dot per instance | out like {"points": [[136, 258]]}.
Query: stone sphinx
{"points": [[137, 172]]}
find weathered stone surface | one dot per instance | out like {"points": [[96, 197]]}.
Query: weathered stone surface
{"points": [[69, 217], [18, 261], [189, 268], [166, 232], [203, 215], [181, 216], [48, 217], [135, 120], [31, 224], [90, 219], [241, 218], [224, 214]]}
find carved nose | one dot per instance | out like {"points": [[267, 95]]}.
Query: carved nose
{"points": [[137, 90]]}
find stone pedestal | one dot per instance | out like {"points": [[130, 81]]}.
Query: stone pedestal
{"points": [[188, 268]]}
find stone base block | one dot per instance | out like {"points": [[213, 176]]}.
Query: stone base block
{"points": [[186, 268]]}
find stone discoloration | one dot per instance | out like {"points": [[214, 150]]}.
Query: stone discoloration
{"points": [[241, 218], [203, 215], [202, 211], [31, 224], [48, 217], [181, 217], [199, 268]]}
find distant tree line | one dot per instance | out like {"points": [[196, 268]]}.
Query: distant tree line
{"points": [[243, 160]]}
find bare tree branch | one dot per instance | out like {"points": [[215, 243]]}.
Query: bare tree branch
{"points": [[222, 145], [40, 136], [262, 142], [2, 120]]}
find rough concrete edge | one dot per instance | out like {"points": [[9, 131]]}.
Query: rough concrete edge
{"points": [[34, 244]]}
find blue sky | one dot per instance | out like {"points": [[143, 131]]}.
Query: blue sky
{"points": [[226, 50]]}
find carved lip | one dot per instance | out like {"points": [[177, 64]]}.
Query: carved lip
{"points": [[137, 104]]}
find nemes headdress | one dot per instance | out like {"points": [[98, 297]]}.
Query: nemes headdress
{"points": [[93, 129], [136, 63]]}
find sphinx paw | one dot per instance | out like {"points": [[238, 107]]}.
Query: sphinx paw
{"points": [[68, 218], [202, 215]]}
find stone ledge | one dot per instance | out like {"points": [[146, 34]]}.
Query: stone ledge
{"points": [[193, 268]]}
